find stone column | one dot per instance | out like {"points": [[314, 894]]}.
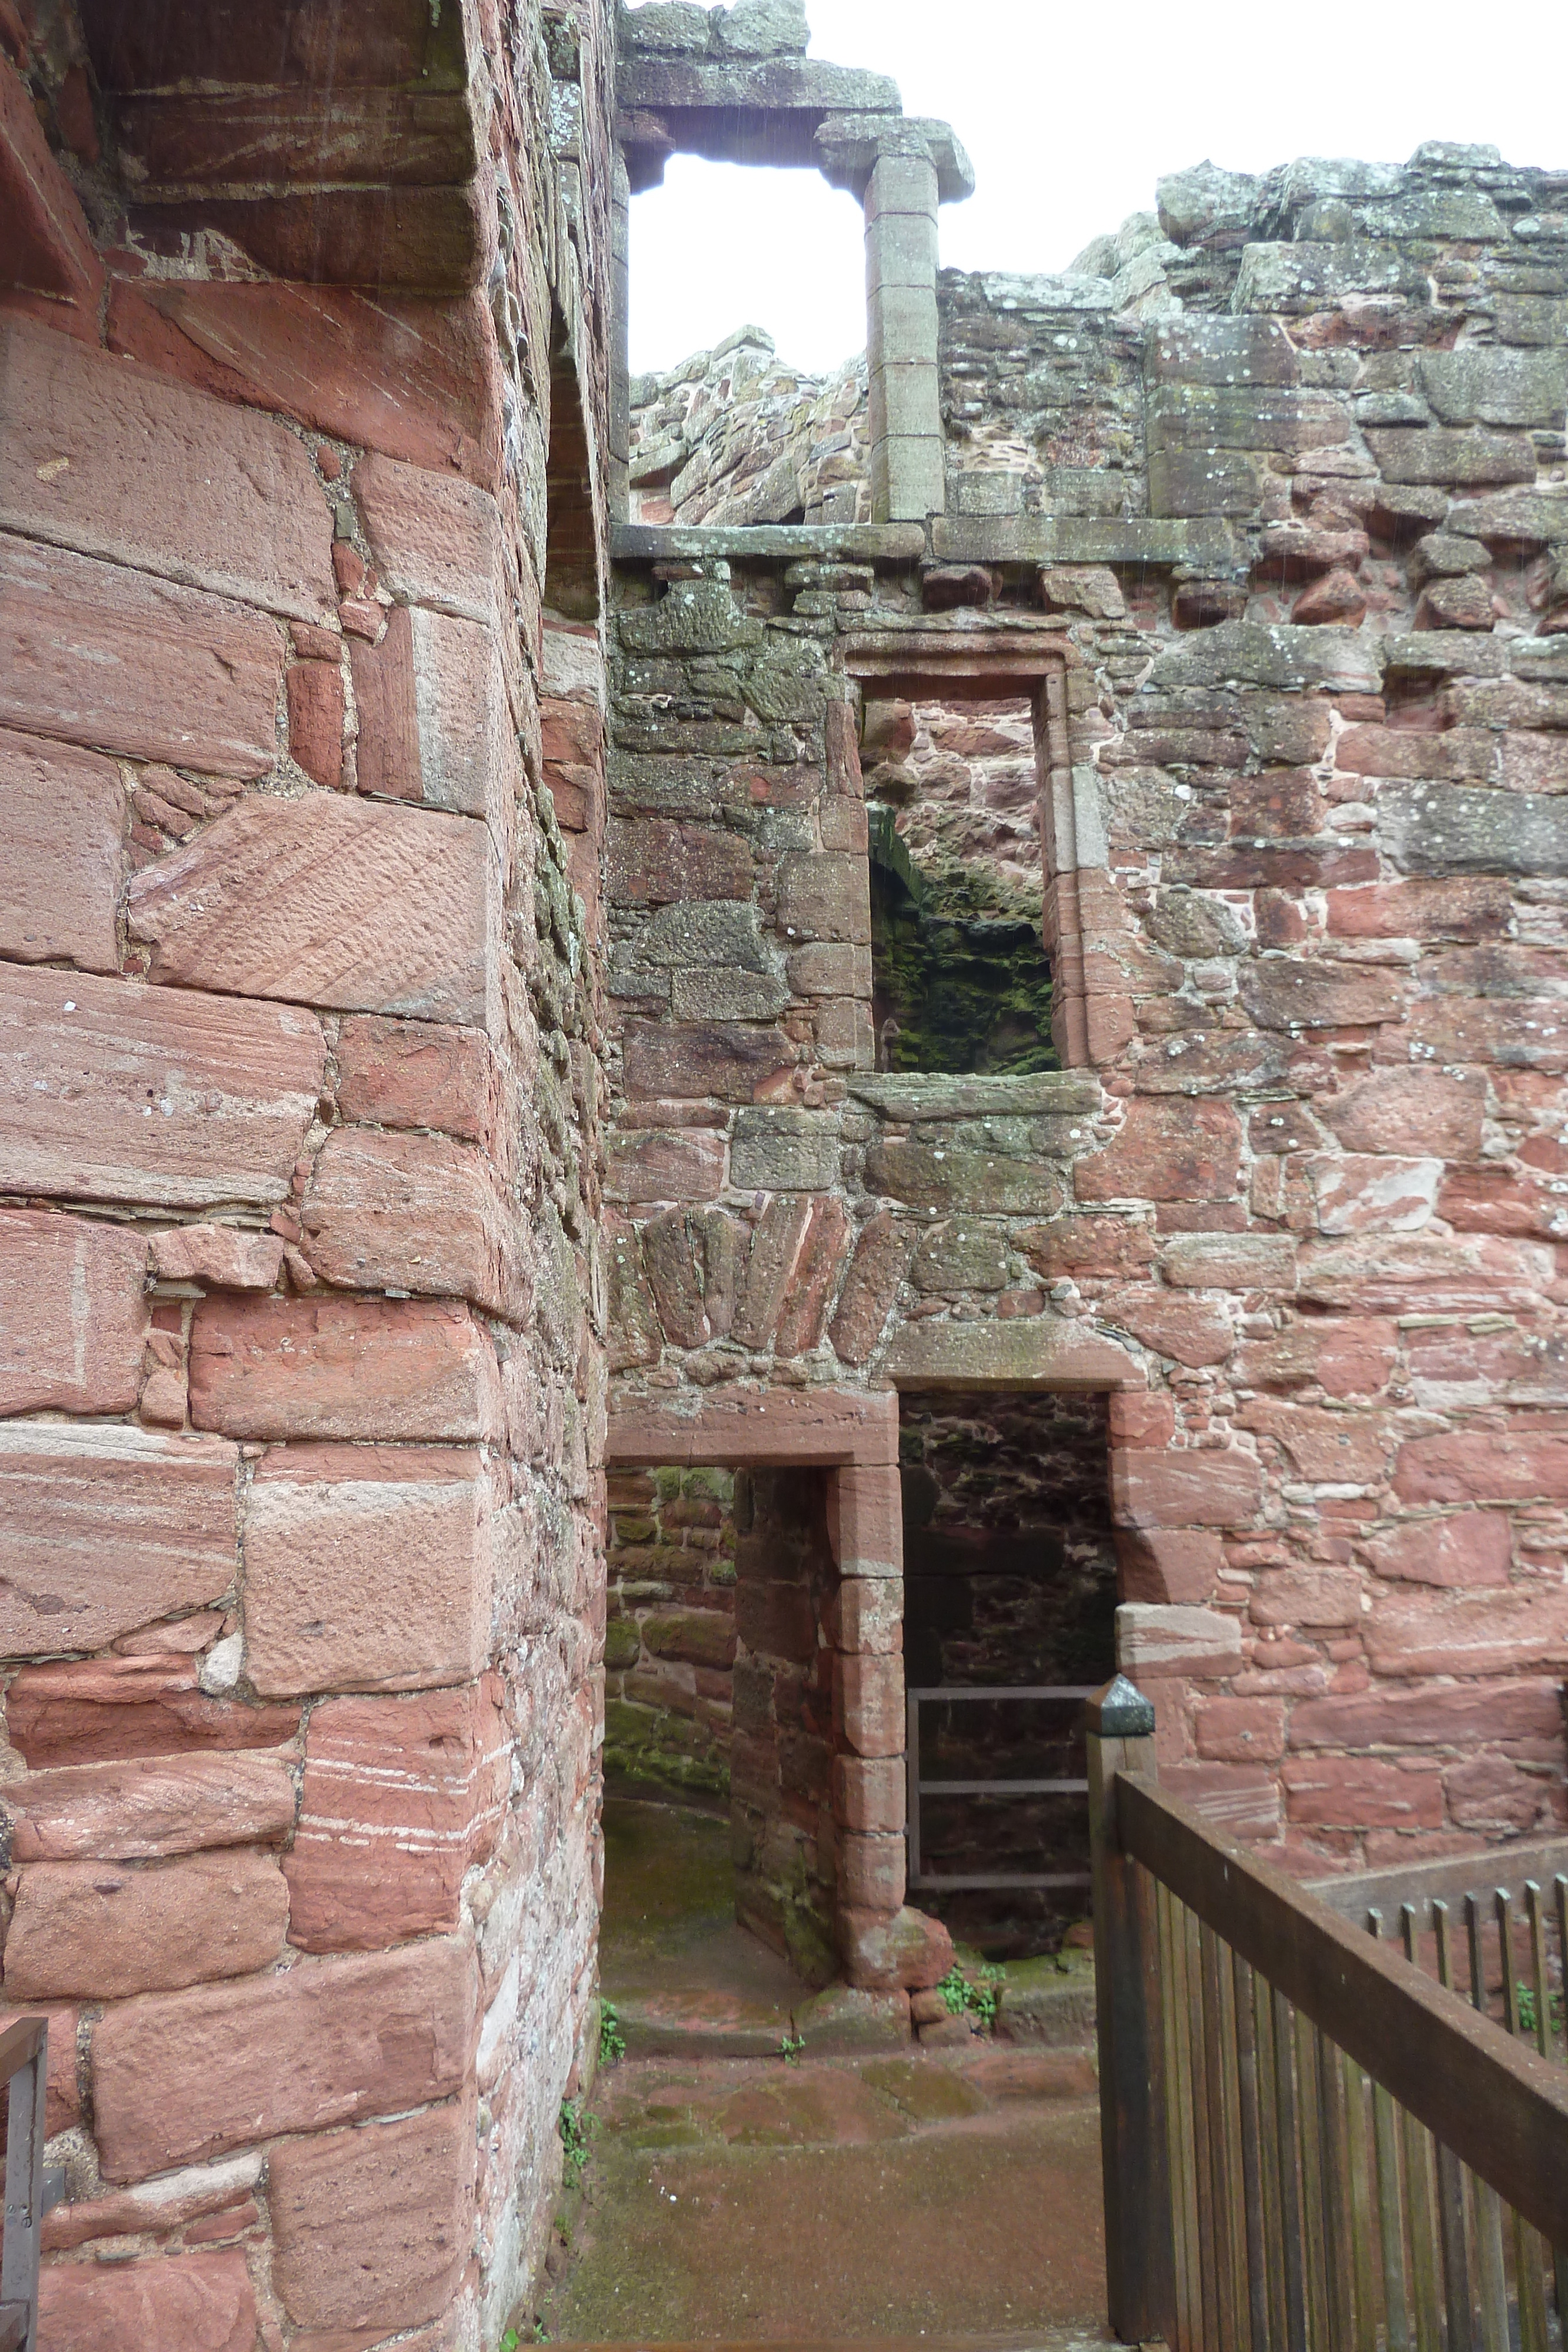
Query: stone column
{"points": [[907, 479], [617, 487]]}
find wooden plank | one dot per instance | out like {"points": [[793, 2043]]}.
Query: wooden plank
{"points": [[1251, 2151], [20, 2042], [1502, 2108], [1004, 1788], [1448, 1881], [1139, 2253], [1290, 2230], [1492, 2274]]}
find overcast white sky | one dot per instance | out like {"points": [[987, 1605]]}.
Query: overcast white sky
{"points": [[1072, 113]]}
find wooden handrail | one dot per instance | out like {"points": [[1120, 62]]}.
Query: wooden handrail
{"points": [[1499, 2106], [1447, 1880]]}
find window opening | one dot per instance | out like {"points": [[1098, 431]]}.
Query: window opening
{"points": [[1010, 1581], [571, 543], [960, 978]]}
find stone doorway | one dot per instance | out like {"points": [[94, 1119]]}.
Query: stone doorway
{"points": [[1010, 1582], [718, 1737]]}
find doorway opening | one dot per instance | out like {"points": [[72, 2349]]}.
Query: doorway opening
{"points": [[719, 1898], [1009, 1585], [960, 978]]}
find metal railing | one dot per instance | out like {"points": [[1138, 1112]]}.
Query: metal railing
{"points": [[1310, 2144], [919, 1878], [23, 2070]]}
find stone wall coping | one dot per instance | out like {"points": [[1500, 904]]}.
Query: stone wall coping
{"points": [[863, 542], [721, 1431], [926, 1094], [1084, 539]]}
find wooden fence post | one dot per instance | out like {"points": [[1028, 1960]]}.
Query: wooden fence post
{"points": [[1140, 2263]]}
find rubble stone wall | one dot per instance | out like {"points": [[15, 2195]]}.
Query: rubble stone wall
{"points": [[669, 1643], [301, 1513], [1302, 748]]}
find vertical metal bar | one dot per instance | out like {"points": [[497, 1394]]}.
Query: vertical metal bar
{"points": [[1355, 2092], [1251, 2152], [1290, 2228], [1451, 2179], [1335, 2142], [1528, 2253], [25, 2097], [912, 1785], [1139, 2256], [1491, 2273], [1424, 2255], [1222, 2219]]}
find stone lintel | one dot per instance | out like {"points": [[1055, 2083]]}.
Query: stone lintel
{"points": [[863, 542], [1084, 539], [1038, 1352], [722, 1429], [919, 1096]]}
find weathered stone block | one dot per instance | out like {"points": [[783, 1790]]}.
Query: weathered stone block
{"points": [[76, 1317], [1230, 1262], [865, 1521], [149, 1807], [1469, 1548], [106, 1529], [1438, 454], [372, 2228], [871, 1870], [943, 1176], [694, 1061], [85, 1927], [328, 900], [62, 854], [1283, 992], [1444, 829], [1153, 1641], [114, 1091], [1189, 1332], [1205, 1488], [248, 521], [225, 1257], [1286, 659], [437, 539], [279, 1368], [868, 1703], [1312, 1597], [868, 1793], [367, 1570], [1355, 1792], [401, 1797], [655, 1166], [406, 1073], [413, 1212], [100, 656], [881, 1954], [1044, 1350], [1463, 1634], [653, 861], [876, 1270], [1451, 1715], [784, 1150], [188, 2302], [824, 895], [179, 2076], [1166, 1151]]}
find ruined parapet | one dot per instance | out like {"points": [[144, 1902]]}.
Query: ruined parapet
{"points": [[735, 435]]}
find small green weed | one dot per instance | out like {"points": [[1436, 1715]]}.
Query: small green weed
{"points": [[574, 2135], [790, 2047], [1529, 2016], [509, 2342], [980, 1994], [611, 2041]]}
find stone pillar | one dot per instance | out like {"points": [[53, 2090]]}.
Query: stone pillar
{"points": [[907, 479], [617, 485], [865, 1527]]}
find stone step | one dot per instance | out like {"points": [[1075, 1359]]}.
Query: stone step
{"points": [[1044, 2340], [837, 2023]]}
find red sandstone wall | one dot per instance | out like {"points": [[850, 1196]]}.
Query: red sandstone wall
{"points": [[301, 1590]]}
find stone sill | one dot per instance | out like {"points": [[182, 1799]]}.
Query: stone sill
{"points": [[856, 542]]}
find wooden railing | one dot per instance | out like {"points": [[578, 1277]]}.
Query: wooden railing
{"points": [[1311, 2143], [23, 2070]]}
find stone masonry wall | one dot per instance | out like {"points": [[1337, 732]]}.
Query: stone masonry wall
{"points": [[301, 1508], [669, 1643], [1304, 746], [738, 436]]}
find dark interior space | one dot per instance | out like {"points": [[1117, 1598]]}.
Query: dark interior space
{"points": [[1010, 1581]]}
